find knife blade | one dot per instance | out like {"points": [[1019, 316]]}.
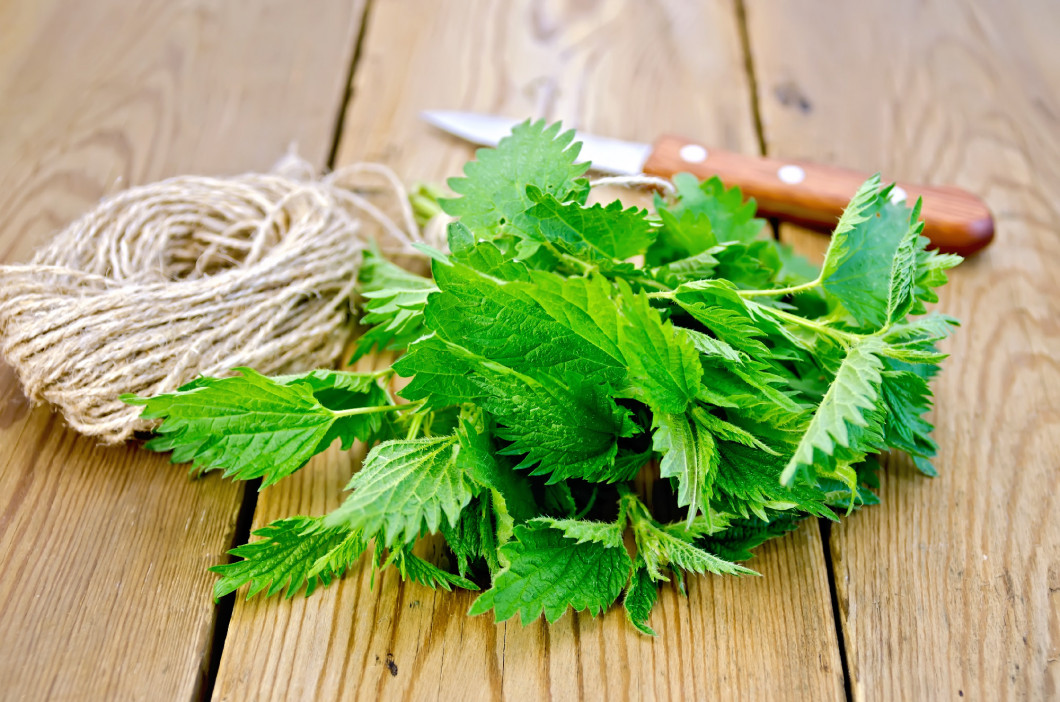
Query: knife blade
{"points": [[810, 194]]}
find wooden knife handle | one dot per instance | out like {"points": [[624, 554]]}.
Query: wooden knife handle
{"points": [[814, 195]]}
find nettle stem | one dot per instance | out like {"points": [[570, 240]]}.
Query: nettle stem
{"points": [[791, 290], [843, 337], [375, 410]]}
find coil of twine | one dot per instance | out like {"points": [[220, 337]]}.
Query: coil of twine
{"points": [[194, 275]]}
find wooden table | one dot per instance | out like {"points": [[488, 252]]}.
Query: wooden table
{"points": [[950, 589]]}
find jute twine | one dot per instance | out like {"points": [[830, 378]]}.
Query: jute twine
{"points": [[194, 275]]}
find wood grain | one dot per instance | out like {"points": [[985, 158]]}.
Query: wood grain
{"points": [[622, 69], [104, 592], [950, 589]]}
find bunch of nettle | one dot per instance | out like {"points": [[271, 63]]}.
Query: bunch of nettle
{"points": [[559, 351]]}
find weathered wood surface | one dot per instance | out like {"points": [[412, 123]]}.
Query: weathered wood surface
{"points": [[948, 590], [618, 68], [104, 592], [951, 588]]}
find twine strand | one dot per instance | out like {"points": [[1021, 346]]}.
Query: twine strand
{"points": [[193, 276]]}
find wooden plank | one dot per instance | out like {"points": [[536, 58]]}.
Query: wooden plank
{"points": [[104, 592], [624, 69], [951, 588]]}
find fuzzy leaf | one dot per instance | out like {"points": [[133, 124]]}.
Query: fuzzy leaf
{"points": [[549, 573], [871, 258], [689, 455], [853, 393], [250, 426], [404, 488], [596, 233], [493, 191], [424, 572], [640, 598], [663, 362], [291, 554]]}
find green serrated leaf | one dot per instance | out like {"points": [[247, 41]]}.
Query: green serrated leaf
{"points": [[404, 488], [715, 305], [393, 304], [286, 558], [702, 216], [424, 572], [497, 320], [493, 191], [871, 258], [736, 542], [597, 233], [549, 573], [853, 393], [748, 485], [640, 598], [581, 531], [663, 361], [250, 426], [659, 548], [908, 398], [900, 294], [566, 431], [689, 455]]}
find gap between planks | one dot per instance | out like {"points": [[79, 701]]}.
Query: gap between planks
{"points": [[249, 505], [824, 526]]}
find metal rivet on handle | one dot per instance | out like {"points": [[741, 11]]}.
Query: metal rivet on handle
{"points": [[791, 174], [693, 153]]}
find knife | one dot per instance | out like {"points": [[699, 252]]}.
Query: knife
{"points": [[811, 194]]}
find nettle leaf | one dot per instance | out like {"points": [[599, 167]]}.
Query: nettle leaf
{"points": [[684, 234], [424, 572], [716, 305], [393, 303], [871, 257], [250, 426], [291, 554], [566, 427], [853, 393], [661, 549], [748, 485], [497, 320], [340, 391], [736, 542], [640, 598], [663, 361], [690, 268], [440, 375], [597, 233], [752, 264], [549, 573], [474, 536], [566, 430], [908, 398], [492, 471], [404, 488], [731, 218], [931, 269], [585, 306], [493, 191], [689, 455], [703, 215], [606, 533], [900, 293]]}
